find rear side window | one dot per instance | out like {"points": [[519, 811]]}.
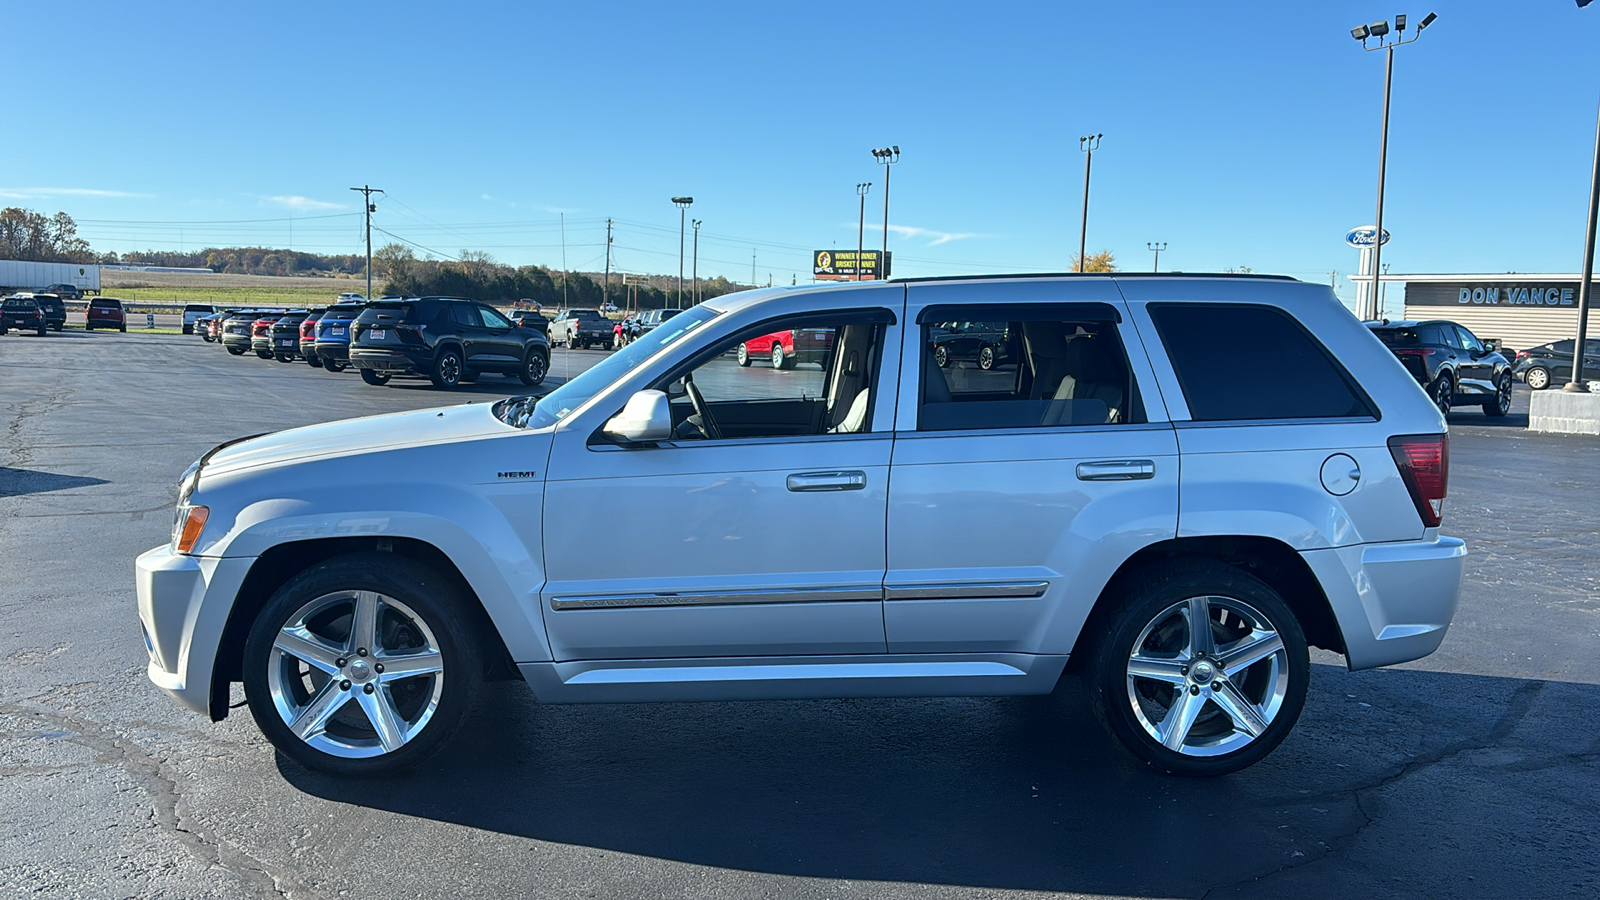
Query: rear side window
{"points": [[1245, 363]]}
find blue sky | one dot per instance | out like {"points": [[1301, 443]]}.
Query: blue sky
{"points": [[1240, 133]]}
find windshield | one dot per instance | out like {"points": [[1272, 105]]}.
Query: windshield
{"points": [[526, 412]]}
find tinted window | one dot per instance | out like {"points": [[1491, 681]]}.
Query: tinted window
{"points": [[492, 318], [465, 314], [1468, 341], [1253, 362], [1052, 369], [1398, 336]]}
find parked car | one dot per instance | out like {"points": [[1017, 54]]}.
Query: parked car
{"points": [[988, 344], [444, 339], [285, 336], [580, 329], [23, 313], [642, 323], [208, 326], [788, 347], [55, 311], [63, 290], [351, 297], [332, 344], [105, 312], [1450, 363], [192, 314], [237, 331], [530, 318], [1551, 363], [261, 332], [806, 537], [306, 338]]}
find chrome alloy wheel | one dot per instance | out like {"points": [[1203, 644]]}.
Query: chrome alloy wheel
{"points": [[1207, 676], [359, 646]]}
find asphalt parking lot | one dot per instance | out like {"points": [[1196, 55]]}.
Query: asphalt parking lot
{"points": [[1472, 773]]}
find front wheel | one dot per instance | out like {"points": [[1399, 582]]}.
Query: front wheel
{"points": [[744, 355], [533, 370], [1500, 404], [986, 358], [361, 665], [1199, 668], [1537, 378], [373, 377]]}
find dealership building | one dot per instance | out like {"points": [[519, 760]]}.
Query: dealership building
{"points": [[1519, 310]]}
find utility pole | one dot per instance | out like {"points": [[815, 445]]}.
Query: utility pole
{"points": [[682, 203], [886, 156], [1088, 144], [752, 267], [861, 222], [366, 192], [694, 270], [1157, 246], [563, 260], [1577, 384], [607, 291]]}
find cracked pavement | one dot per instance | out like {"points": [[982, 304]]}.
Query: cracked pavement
{"points": [[1472, 773]]}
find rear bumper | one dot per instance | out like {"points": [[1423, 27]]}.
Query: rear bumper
{"points": [[395, 362], [1393, 602], [335, 352], [183, 606]]}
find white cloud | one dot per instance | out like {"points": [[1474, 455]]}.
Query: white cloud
{"points": [[301, 204], [44, 193], [930, 236]]}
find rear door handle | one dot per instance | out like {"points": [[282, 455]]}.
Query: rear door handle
{"points": [[827, 481], [1117, 470]]}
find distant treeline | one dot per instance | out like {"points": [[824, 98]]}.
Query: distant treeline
{"points": [[245, 261]]}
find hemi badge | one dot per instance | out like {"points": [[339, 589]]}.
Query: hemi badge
{"points": [[519, 475]]}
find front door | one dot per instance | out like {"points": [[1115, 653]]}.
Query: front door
{"points": [[758, 529]]}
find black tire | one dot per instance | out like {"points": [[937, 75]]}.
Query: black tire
{"points": [[122, 328], [447, 368], [1444, 393], [534, 368], [1147, 600], [87, 327], [1537, 378], [941, 356], [284, 359], [986, 358], [426, 597], [188, 329], [373, 377], [332, 366], [1500, 404], [43, 330], [264, 354], [314, 361], [743, 355], [236, 351]]}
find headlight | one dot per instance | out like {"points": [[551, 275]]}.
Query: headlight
{"points": [[186, 527], [186, 484]]}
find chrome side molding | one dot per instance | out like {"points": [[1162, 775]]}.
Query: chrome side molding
{"points": [[969, 591], [803, 595]]}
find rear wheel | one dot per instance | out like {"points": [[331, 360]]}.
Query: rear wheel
{"points": [[362, 665], [236, 351], [1500, 404], [1444, 393], [371, 376], [332, 366], [122, 328], [264, 354], [284, 359], [188, 329], [779, 360], [447, 368], [1538, 378], [744, 355], [1201, 669], [314, 362]]}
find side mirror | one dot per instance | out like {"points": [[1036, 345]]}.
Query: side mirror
{"points": [[1491, 345], [646, 419]]}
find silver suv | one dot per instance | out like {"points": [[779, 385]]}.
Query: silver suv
{"points": [[1119, 496]]}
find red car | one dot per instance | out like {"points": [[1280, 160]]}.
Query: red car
{"points": [[786, 348], [105, 312]]}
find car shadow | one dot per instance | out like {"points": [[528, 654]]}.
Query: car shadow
{"points": [[488, 385], [1010, 793], [17, 482]]}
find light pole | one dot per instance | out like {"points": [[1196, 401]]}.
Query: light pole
{"points": [[1088, 144], [694, 270], [887, 156], [1362, 33], [1157, 246], [683, 203], [861, 222], [1586, 278]]}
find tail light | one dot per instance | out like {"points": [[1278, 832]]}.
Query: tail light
{"points": [[1424, 463], [1413, 351]]}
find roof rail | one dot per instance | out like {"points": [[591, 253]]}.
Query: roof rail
{"points": [[1021, 275]]}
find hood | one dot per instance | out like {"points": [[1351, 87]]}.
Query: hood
{"points": [[386, 432]]}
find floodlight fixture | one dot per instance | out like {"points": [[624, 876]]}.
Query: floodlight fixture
{"points": [[1426, 21], [683, 201], [1360, 32], [1379, 29], [1400, 22]]}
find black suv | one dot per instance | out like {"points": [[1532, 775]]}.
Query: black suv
{"points": [[55, 312], [23, 313], [1450, 363], [284, 335], [448, 340], [1551, 363]]}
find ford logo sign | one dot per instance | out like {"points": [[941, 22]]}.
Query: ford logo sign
{"points": [[1363, 237]]}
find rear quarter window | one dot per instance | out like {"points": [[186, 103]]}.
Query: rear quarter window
{"points": [[1250, 363]]}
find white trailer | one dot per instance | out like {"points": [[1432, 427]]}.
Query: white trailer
{"points": [[21, 275]]}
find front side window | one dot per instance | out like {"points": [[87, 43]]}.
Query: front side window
{"points": [[806, 377], [1469, 342], [1250, 362], [492, 318], [1024, 367]]}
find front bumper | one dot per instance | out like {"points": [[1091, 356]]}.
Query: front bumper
{"points": [[1393, 601], [184, 603]]}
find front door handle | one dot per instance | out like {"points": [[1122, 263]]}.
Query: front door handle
{"points": [[827, 481], [1117, 470]]}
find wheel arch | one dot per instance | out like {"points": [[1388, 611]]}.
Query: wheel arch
{"points": [[273, 568], [1269, 559]]}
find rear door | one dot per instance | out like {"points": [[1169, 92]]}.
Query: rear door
{"points": [[1016, 490]]}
